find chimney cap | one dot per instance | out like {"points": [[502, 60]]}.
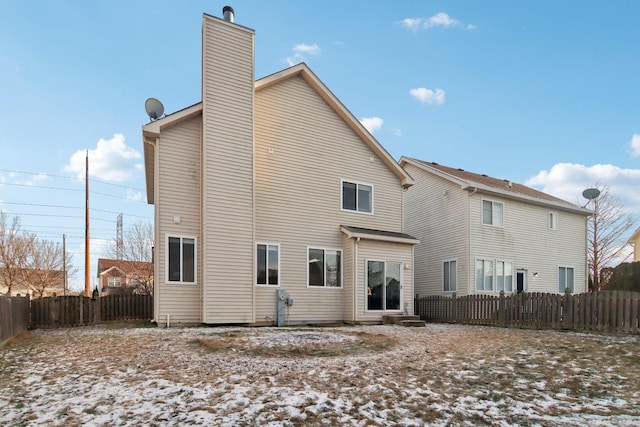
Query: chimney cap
{"points": [[228, 13]]}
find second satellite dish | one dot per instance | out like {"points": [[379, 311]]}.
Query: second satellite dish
{"points": [[154, 108], [590, 193]]}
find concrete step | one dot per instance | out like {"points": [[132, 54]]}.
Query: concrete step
{"points": [[395, 319], [412, 323]]}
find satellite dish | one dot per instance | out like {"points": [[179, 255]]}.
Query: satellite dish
{"points": [[590, 193], [154, 108]]}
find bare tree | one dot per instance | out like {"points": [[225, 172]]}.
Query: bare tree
{"points": [[46, 266], [15, 247], [607, 228], [137, 243], [137, 247]]}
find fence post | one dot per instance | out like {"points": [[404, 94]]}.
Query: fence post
{"points": [[567, 314], [501, 310]]}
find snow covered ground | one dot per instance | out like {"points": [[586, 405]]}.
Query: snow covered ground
{"points": [[438, 375]]}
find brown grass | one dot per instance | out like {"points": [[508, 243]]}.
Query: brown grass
{"points": [[236, 341]]}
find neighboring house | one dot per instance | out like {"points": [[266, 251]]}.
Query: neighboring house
{"points": [[635, 241], [117, 276], [484, 235], [36, 283], [272, 185]]}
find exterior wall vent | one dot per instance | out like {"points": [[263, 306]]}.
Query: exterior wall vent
{"points": [[228, 13]]}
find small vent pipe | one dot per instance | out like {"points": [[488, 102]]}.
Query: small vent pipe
{"points": [[228, 13]]}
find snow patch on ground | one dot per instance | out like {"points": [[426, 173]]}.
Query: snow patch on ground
{"points": [[438, 375]]}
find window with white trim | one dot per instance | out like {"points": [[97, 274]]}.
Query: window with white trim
{"points": [[553, 221], [357, 197], [113, 281], [181, 259], [504, 276], [449, 276], [383, 285], [325, 268], [565, 279], [484, 275], [492, 213], [267, 264]]}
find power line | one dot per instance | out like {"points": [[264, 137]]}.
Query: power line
{"points": [[59, 216], [70, 178], [46, 187], [74, 207]]}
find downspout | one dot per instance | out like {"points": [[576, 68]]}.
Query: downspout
{"points": [[470, 282], [157, 278], [202, 264], [355, 278]]}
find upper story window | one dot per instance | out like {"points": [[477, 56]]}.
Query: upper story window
{"points": [[357, 197], [492, 213], [181, 259], [553, 221], [325, 268], [113, 282], [268, 264]]}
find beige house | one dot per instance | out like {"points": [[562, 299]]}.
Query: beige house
{"points": [[635, 241], [272, 185], [484, 235]]}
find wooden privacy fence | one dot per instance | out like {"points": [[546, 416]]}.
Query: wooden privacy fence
{"points": [[14, 316], [606, 311], [68, 311]]}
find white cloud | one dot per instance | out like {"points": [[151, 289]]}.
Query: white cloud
{"points": [[299, 52], [372, 124], [111, 160], [428, 96], [568, 180], [311, 49], [134, 195], [412, 24], [440, 19], [634, 145]]}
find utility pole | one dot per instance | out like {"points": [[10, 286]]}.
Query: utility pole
{"points": [[87, 266], [64, 263], [596, 261]]}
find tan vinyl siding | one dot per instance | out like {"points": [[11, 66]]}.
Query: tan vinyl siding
{"points": [[303, 150], [348, 265], [227, 162], [383, 251], [436, 212], [178, 195], [527, 241]]}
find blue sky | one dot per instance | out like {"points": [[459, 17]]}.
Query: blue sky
{"points": [[544, 93]]}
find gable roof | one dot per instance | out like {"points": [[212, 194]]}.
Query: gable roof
{"points": [[634, 236], [126, 267], [151, 131], [500, 187]]}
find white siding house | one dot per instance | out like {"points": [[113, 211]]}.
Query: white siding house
{"points": [[272, 185], [485, 235], [634, 240]]}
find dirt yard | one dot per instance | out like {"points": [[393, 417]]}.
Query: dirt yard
{"points": [[358, 376]]}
